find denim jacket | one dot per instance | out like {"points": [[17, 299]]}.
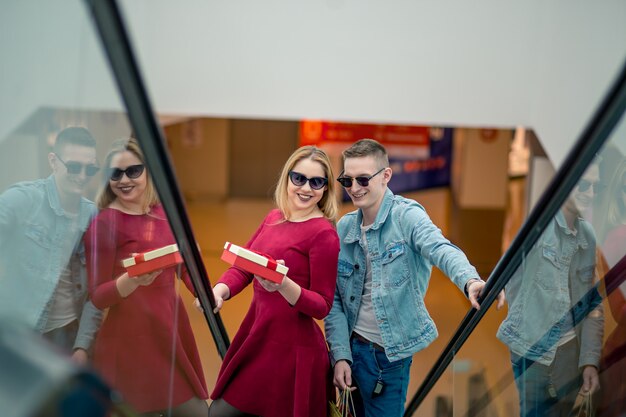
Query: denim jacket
{"points": [[552, 289], [34, 229], [403, 244]]}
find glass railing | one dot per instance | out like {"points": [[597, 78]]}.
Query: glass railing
{"points": [[559, 348], [117, 46], [59, 115], [66, 241], [82, 207]]}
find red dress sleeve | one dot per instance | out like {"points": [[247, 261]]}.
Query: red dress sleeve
{"points": [[317, 300], [100, 248], [187, 280]]}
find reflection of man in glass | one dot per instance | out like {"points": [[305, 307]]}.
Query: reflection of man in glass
{"points": [[554, 334], [42, 261]]}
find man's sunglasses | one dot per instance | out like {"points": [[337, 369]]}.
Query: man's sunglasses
{"points": [[316, 183], [132, 172], [75, 168], [362, 181], [584, 185]]}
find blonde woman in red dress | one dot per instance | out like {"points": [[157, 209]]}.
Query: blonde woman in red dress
{"points": [[278, 364], [145, 347]]}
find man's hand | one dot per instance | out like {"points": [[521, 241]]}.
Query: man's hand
{"points": [[80, 357], [475, 289], [591, 382], [343, 375]]}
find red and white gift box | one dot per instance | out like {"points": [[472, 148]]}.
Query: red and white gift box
{"points": [[254, 262], [153, 260]]}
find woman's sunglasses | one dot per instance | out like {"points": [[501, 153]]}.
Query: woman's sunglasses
{"points": [[584, 185], [316, 183], [362, 181], [132, 172], [76, 168]]}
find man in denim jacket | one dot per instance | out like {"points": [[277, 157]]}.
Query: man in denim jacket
{"points": [[43, 280], [555, 324], [378, 319]]}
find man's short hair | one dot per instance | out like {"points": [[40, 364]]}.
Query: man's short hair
{"points": [[74, 135], [367, 147]]}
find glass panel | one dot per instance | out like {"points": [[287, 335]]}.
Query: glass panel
{"points": [[441, 400], [63, 239], [610, 225], [561, 344]]}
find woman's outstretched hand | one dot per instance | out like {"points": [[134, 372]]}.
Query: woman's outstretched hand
{"points": [[221, 292]]}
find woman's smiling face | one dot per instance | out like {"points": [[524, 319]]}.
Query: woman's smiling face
{"points": [[303, 199], [128, 190]]}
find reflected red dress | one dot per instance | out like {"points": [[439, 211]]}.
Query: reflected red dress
{"points": [[612, 401], [278, 364], [133, 349]]}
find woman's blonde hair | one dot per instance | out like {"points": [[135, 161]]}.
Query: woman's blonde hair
{"points": [[328, 203], [614, 208], [106, 195]]}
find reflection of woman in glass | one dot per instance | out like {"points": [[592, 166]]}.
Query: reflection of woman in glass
{"points": [[613, 362], [145, 348], [278, 364]]}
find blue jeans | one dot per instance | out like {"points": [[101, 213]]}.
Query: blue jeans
{"points": [[548, 391], [371, 365]]}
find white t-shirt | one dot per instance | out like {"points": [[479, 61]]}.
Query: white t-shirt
{"points": [[366, 323]]}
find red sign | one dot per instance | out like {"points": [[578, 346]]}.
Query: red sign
{"points": [[316, 132]]}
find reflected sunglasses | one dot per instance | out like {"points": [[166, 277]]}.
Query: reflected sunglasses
{"points": [[362, 181], [76, 168], [132, 172], [584, 185], [316, 183]]}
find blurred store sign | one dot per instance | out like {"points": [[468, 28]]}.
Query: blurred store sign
{"points": [[420, 156]]}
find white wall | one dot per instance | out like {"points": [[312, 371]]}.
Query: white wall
{"points": [[480, 169], [50, 57], [493, 63], [488, 63]]}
